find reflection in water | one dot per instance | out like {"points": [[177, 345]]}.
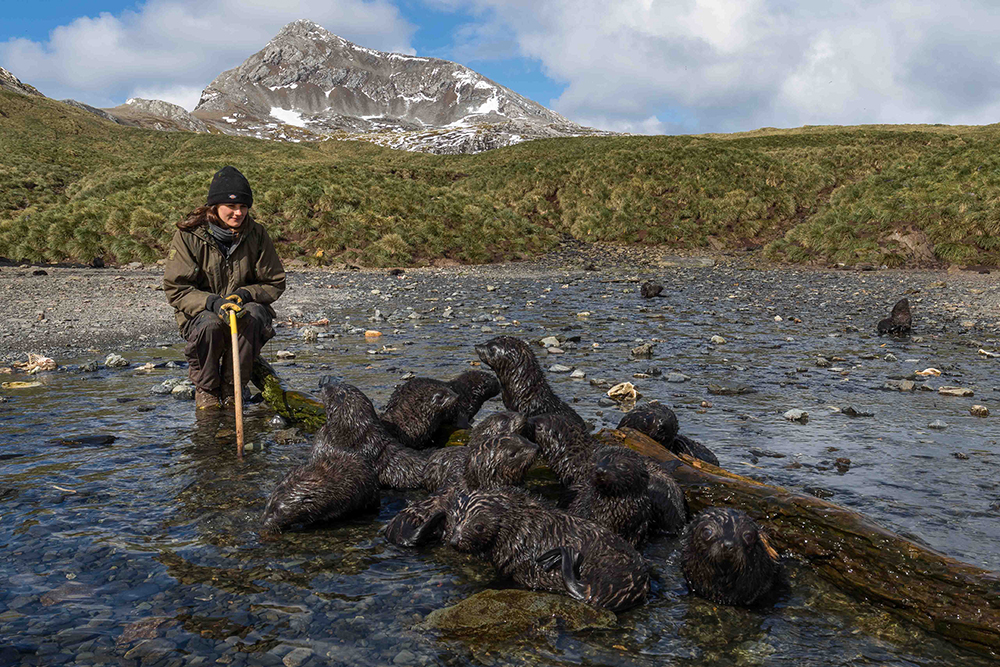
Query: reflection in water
{"points": [[145, 548]]}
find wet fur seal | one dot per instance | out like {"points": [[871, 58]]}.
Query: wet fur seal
{"points": [[337, 485], [491, 463], [353, 425], [726, 558], [660, 423], [546, 549], [523, 384], [417, 409], [611, 485], [899, 322]]}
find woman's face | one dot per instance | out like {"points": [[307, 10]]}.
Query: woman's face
{"points": [[232, 215]]}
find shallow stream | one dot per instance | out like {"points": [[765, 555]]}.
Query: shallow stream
{"points": [[144, 550]]}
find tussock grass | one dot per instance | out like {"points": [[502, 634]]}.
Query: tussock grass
{"points": [[73, 187]]}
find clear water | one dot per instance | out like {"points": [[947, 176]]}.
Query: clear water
{"points": [[144, 551]]}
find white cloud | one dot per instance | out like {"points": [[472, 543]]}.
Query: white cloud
{"points": [[726, 65], [174, 46]]}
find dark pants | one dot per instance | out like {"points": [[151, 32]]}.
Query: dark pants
{"points": [[210, 359]]}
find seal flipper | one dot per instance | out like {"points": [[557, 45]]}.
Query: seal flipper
{"points": [[405, 531], [569, 559]]}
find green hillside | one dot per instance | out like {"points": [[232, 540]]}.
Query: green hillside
{"points": [[73, 187]]}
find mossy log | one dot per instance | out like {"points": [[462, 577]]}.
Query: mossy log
{"points": [[942, 595], [295, 406]]}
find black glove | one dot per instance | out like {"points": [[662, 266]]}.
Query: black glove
{"points": [[240, 296], [214, 303]]}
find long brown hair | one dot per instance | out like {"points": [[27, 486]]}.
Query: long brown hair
{"points": [[204, 214]]}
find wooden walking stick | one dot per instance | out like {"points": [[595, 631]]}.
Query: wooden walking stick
{"points": [[237, 384]]}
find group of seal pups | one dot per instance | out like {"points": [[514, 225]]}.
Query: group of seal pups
{"points": [[586, 545]]}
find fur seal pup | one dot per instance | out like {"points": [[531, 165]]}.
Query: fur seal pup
{"points": [[333, 486], [649, 289], [726, 558], [417, 409], [492, 463], [446, 466], [660, 423], [353, 425], [474, 388], [614, 486], [523, 385], [550, 550], [899, 321]]}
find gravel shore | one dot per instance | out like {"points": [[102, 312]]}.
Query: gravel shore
{"points": [[69, 312]]}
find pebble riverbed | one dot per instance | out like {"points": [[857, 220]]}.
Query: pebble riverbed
{"points": [[143, 550]]}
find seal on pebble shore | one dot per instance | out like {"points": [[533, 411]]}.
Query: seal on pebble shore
{"points": [[726, 558], [335, 485], [353, 425], [523, 384], [899, 322], [474, 387], [530, 544], [446, 466]]}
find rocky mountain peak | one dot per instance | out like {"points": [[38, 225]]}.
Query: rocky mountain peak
{"points": [[10, 82], [307, 83]]}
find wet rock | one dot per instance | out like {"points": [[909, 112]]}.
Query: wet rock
{"points": [[89, 367], [284, 354], [796, 415], [899, 385], [962, 392], [309, 334], [549, 341], [988, 355], [823, 362], [297, 657], [961, 456], [115, 361], [890, 357], [550, 350], [499, 615], [147, 628], [730, 390], [643, 351], [761, 453], [851, 411], [677, 377], [184, 391], [979, 411], [937, 424], [279, 422], [165, 387], [843, 464], [404, 657], [819, 492], [718, 340], [39, 272], [559, 368], [578, 374]]}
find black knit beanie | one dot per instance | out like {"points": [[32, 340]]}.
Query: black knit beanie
{"points": [[229, 186]]}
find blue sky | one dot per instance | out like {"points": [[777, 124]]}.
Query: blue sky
{"points": [[645, 66]]}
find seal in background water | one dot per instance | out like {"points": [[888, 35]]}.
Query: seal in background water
{"points": [[726, 558], [899, 321], [524, 388], [550, 550]]}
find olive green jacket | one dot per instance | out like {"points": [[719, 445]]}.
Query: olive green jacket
{"points": [[196, 269]]}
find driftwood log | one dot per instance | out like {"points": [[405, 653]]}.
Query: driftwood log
{"points": [[944, 596], [941, 595]]}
